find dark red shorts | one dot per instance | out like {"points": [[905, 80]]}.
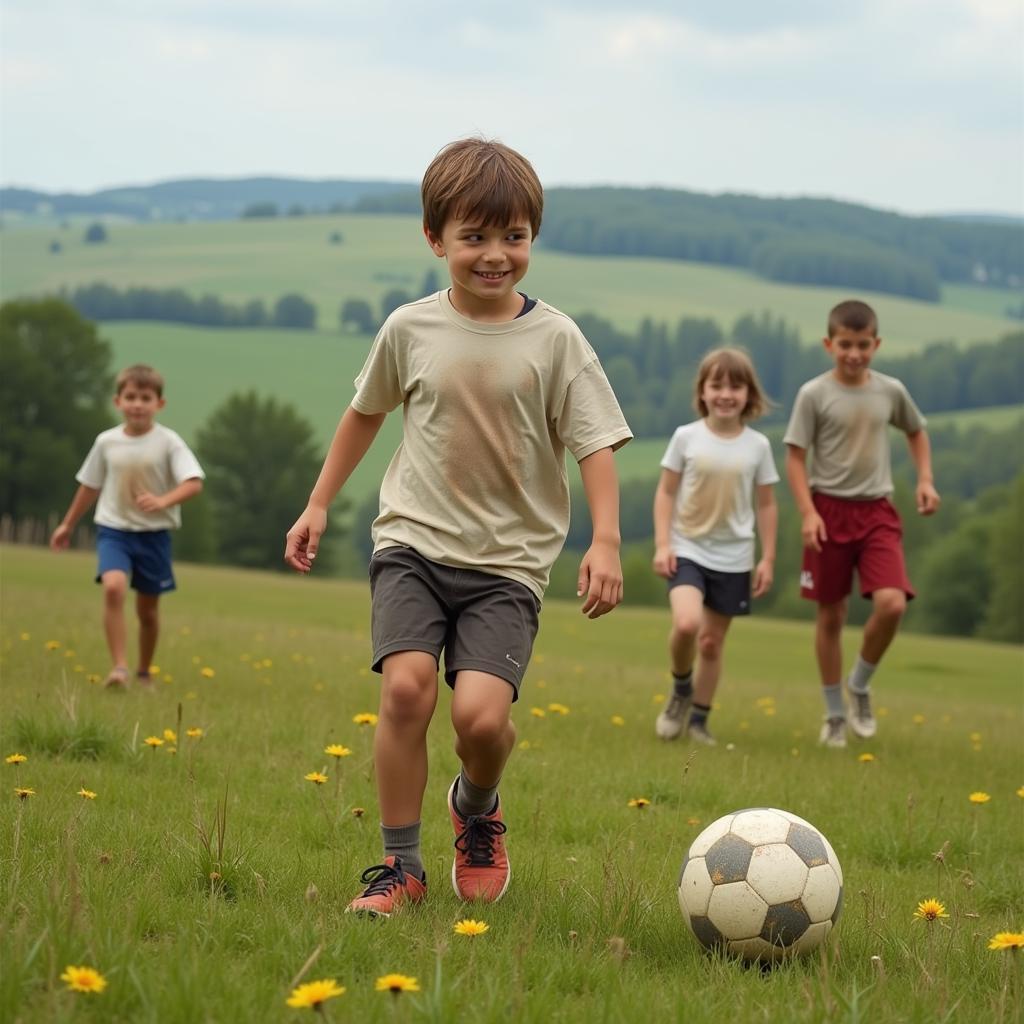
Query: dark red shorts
{"points": [[862, 535]]}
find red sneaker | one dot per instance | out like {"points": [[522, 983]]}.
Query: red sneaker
{"points": [[480, 870], [388, 889]]}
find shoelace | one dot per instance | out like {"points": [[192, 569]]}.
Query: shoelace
{"points": [[382, 878], [675, 706], [477, 840], [863, 702]]}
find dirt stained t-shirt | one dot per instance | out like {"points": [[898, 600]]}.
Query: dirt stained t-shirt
{"points": [[489, 410]]}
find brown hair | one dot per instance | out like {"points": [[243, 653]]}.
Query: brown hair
{"points": [[481, 178], [735, 364], [854, 315], [143, 377]]}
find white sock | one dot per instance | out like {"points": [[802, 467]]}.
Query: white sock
{"points": [[833, 694], [860, 677]]}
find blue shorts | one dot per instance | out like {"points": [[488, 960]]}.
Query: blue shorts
{"points": [[144, 556]]}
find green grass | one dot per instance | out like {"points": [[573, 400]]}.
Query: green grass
{"points": [[997, 417], [123, 883], [240, 260]]}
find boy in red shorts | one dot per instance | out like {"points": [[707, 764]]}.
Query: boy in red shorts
{"points": [[843, 417]]}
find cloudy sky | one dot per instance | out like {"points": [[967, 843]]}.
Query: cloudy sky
{"points": [[915, 105]]}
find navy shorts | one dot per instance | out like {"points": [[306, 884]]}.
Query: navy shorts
{"points": [[144, 556], [727, 593], [482, 622]]}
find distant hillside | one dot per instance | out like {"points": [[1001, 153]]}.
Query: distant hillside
{"points": [[197, 198]]}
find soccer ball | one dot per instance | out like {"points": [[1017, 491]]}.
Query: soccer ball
{"points": [[761, 884]]}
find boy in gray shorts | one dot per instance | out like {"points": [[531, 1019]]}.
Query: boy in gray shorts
{"points": [[474, 508]]}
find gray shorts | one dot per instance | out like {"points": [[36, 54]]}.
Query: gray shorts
{"points": [[482, 622]]}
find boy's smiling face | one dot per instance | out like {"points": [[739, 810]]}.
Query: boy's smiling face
{"points": [[852, 352], [138, 406], [485, 263]]}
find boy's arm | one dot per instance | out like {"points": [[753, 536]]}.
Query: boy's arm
{"points": [[767, 528], [175, 496], [921, 452], [600, 571], [84, 497], [812, 528], [664, 502], [352, 439]]}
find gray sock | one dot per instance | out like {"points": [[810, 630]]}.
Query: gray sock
{"points": [[404, 841], [860, 677], [473, 799], [683, 685], [834, 706]]}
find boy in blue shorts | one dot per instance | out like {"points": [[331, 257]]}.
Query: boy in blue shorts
{"points": [[842, 417], [474, 508], [141, 472]]}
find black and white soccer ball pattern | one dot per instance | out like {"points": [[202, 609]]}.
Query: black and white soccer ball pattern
{"points": [[761, 884]]}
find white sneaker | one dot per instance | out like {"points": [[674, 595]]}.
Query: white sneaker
{"points": [[862, 721], [673, 717], [698, 732], [833, 733]]}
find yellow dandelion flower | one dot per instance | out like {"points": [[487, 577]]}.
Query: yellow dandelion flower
{"points": [[69, 653], [172, 750], [92, 677], [154, 670], [170, 735], [79, 668], [765, 702], [314, 993], [23, 794], [979, 798], [558, 709], [975, 737], [26, 636], [318, 777], [1007, 940], [52, 645], [168, 678], [866, 758], [918, 719], [769, 711], [524, 744], [744, 726], [337, 750], [1020, 792], [470, 927], [153, 741], [657, 698], [618, 720], [84, 979], [397, 983], [206, 672], [87, 794], [538, 712], [930, 910], [16, 758], [639, 802], [358, 812], [693, 821], [195, 733], [794, 751], [365, 718]]}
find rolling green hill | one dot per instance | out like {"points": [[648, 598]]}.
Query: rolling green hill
{"points": [[241, 260]]}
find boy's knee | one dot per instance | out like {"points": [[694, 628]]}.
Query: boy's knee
{"points": [[481, 726], [406, 697], [114, 591], [831, 617], [709, 645], [890, 604], [148, 615], [686, 626]]}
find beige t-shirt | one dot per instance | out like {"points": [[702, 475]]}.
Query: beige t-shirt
{"points": [[479, 479], [122, 466], [847, 431]]}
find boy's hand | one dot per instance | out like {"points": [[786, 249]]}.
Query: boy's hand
{"points": [[303, 539], [764, 576], [664, 562], [600, 579], [812, 530], [927, 498], [149, 502], [60, 538]]}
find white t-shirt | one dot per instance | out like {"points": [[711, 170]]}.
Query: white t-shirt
{"points": [[713, 520], [489, 411], [122, 466]]}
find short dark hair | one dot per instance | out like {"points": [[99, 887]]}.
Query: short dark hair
{"points": [[854, 315], [143, 377], [481, 178]]}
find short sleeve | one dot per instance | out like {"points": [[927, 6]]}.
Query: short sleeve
{"points": [[184, 464], [378, 386], [905, 414], [675, 453], [800, 430], [766, 471], [94, 469], [589, 418]]}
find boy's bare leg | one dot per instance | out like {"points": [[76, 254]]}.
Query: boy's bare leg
{"points": [[147, 607], [829, 650], [687, 604], [115, 588], [710, 642], [408, 696], [484, 733], [889, 604]]}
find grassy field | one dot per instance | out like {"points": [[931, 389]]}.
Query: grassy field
{"points": [[241, 260], [590, 929]]}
